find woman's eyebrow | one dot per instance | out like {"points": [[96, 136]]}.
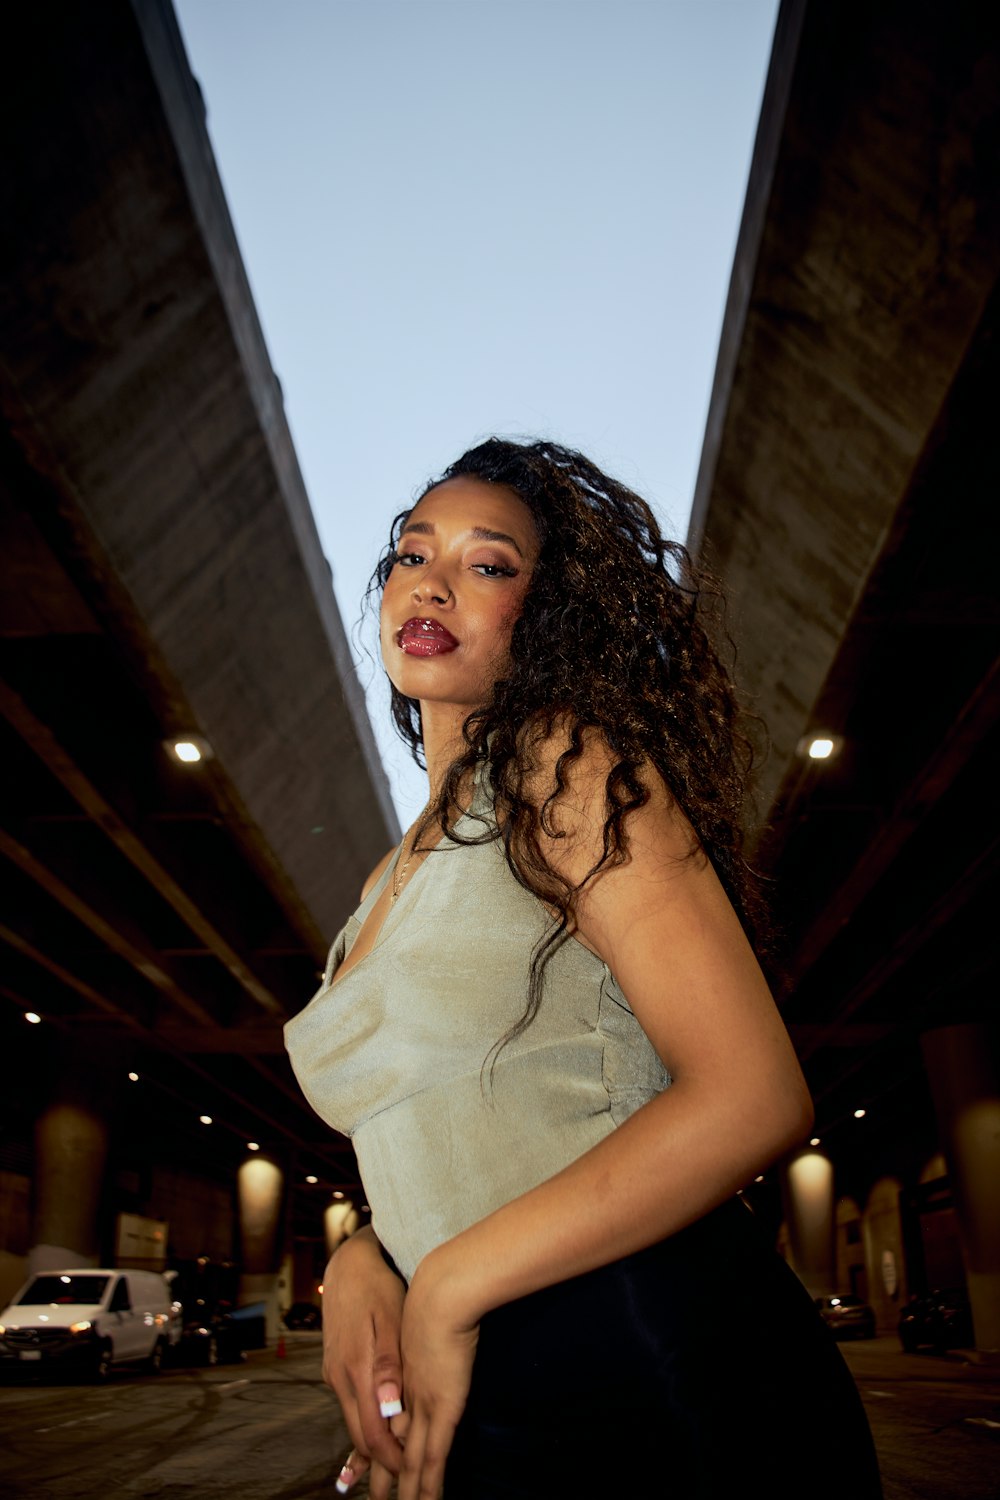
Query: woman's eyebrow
{"points": [[484, 534], [478, 533]]}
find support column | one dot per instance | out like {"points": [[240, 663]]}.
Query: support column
{"points": [[807, 1194], [71, 1152], [963, 1065], [340, 1220], [260, 1189]]}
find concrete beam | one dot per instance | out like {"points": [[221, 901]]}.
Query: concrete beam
{"points": [[870, 250], [135, 378]]}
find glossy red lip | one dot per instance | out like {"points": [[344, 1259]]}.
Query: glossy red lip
{"points": [[424, 637]]}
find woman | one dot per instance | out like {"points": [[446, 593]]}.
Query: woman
{"points": [[547, 1034]]}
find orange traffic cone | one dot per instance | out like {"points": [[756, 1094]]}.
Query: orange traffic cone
{"points": [[280, 1351]]}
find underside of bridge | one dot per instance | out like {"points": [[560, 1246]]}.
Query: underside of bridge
{"points": [[847, 493], [163, 579]]}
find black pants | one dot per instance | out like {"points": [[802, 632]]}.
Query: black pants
{"points": [[698, 1369]]}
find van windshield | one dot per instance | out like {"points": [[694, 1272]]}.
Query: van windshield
{"points": [[64, 1289]]}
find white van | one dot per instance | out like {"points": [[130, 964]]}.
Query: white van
{"points": [[91, 1320]]}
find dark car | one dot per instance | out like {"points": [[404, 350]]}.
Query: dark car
{"points": [[303, 1315], [847, 1317], [211, 1333], [942, 1320], [211, 1340]]}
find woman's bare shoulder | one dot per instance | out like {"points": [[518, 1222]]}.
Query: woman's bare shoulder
{"points": [[377, 873], [568, 765]]}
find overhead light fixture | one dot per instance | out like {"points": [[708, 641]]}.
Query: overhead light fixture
{"points": [[311, 1179], [820, 745], [32, 1016], [133, 1078], [337, 1193], [188, 749], [760, 1178], [859, 1114], [205, 1119], [253, 1145], [814, 1140]]}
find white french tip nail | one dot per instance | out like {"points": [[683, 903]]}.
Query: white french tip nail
{"points": [[390, 1408], [341, 1487]]}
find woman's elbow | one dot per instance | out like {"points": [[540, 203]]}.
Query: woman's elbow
{"points": [[793, 1115]]}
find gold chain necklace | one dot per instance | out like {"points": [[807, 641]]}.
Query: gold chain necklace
{"points": [[399, 873]]}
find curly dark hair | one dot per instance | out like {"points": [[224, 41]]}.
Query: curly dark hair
{"points": [[616, 635]]}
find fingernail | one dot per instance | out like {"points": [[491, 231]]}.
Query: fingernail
{"points": [[389, 1403], [345, 1479]]}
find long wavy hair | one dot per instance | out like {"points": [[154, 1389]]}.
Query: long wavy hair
{"points": [[617, 635]]}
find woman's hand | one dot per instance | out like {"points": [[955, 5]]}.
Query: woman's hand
{"points": [[362, 1317], [439, 1345]]}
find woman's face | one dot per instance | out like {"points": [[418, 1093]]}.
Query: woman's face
{"points": [[463, 564]]}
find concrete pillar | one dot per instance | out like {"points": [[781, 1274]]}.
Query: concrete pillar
{"points": [[963, 1065], [885, 1262], [260, 1191], [807, 1194], [340, 1220], [71, 1152]]}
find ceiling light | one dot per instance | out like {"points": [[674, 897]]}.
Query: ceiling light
{"points": [[820, 746], [133, 1078], [814, 1140], [337, 1193], [188, 749], [253, 1145], [205, 1119], [760, 1178], [32, 1016], [859, 1114], [311, 1179]]}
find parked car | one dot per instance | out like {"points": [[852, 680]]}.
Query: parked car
{"points": [[847, 1317], [88, 1321], [212, 1340], [205, 1290], [942, 1320], [303, 1315]]}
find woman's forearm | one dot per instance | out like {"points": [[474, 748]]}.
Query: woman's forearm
{"points": [[671, 1162], [363, 1301]]}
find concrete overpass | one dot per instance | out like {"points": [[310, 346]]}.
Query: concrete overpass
{"points": [[163, 580], [847, 496]]}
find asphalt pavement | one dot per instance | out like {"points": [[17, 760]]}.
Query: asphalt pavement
{"points": [[268, 1429]]}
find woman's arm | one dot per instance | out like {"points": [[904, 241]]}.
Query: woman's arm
{"points": [[362, 1315], [665, 928]]}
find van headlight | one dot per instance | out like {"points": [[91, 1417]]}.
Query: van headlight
{"points": [[83, 1327]]}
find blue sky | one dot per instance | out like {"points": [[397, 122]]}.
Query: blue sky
{"points": [[461, 217]]}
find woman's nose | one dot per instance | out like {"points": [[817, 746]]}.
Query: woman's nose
{"points": [[432, 590]]}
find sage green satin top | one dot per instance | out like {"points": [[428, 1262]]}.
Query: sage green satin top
{"points": [[393, 1055]]}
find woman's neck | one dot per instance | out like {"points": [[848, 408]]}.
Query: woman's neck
{"points": [[441, 725]]}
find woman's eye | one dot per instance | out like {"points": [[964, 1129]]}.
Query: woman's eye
{"points": [[408, 559], [494, 570]]}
